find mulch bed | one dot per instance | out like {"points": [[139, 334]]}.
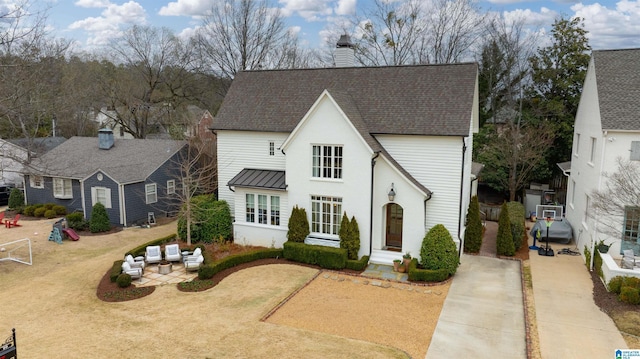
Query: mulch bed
{"points": [[608, 302]]}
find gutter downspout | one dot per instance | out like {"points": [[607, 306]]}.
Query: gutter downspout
{"points": [[464, 151], [595, 224], [373, 164]]}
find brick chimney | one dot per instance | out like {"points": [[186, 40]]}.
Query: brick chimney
{"points": [[345, 52], [105, 138]]}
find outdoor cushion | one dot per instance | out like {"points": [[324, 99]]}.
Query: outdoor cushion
{"points": [[154, 255], [172, 253], [133, 272], [133, 263], [193, 263]]}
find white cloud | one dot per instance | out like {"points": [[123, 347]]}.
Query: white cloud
{"points": [[108, 25], [544, 17], [185, 8], [345, 7], [611, 28], [92, 3], [310, 10]]}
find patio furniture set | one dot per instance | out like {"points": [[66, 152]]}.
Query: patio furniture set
{"points": [[135, 266]]}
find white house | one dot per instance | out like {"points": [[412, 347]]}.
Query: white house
{"points": [[607, 126], [15, 153], [346, 139]]}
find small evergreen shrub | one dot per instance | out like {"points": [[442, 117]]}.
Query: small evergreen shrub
{"points": [[28, 211], [504, 240], [615, 284], [60, 210], [76, 221], [633, 282], [298, 225], [438, 250], [516, 217], [48, 206], [49, 213], [115, 271], [99, 221], [208, 270], [473, 233], [124, 280], [425, 275], [325, 257], [350, 236], [39, 212], [357, 264], [630, 295], [16, 199], [210, 220]]}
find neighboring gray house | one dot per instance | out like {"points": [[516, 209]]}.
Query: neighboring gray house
{"points": [[133, 179]]}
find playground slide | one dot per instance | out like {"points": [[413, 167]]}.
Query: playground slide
{"points": [[71, 233]]}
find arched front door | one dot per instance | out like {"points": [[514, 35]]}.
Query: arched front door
{"points": [[394, 226]]}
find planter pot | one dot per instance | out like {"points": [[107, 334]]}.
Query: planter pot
{"points": [[603, 248], [396, 265], [406, 262], [402, 268]]}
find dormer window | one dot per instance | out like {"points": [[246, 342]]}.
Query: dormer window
{"points": [[327, 161]]}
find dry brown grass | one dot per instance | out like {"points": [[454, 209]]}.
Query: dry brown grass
{"points": [[56, 313], [628, 322]]}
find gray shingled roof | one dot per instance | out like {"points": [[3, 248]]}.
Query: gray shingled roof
{"points": [[38, 145], [618, 80], [257, 178], [416, 100], [126, 162]]}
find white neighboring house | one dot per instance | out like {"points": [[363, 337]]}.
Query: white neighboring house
{"points": [[344, 139], [607, 126], [14, 154]]}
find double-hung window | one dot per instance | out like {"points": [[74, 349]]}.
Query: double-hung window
{"points": [[631, 230], [326, 214], [327, 161], [267, 209], [151, 193], [62, 188], [101, 195], [36, 181], [171, 186]]}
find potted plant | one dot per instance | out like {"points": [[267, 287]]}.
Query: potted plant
{"points": [[406, 258], [402, 268], [396, 264], [602, 247]]}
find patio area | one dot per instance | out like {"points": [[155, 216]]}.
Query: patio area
{"points": [[151, 276]]}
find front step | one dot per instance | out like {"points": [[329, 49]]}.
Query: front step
{"points": [[379, 256]]}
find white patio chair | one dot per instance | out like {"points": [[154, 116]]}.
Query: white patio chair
{"points": [[628, 259], [153, 255], [172, 253], [135, 273], [193, 263], [133, 263]]}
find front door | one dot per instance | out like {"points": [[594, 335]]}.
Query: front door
{"points": [[394, 226]]}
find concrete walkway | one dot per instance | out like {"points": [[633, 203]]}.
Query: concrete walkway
{"points": [[570, 325], [483, 315]]}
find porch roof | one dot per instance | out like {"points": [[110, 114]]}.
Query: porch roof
{"points": [[258, 178]]}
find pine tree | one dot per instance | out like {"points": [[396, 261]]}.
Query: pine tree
{"points": [[99, 221], [473, 233], [298, 225], [504, 241], [355, 239]]}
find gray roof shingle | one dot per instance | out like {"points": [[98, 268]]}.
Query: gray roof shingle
{"points": [[618, 81], [126, 162], [414, 100]]}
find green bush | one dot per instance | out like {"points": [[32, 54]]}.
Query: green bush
{"points": [[425, 275], [633, 282], [210, 220], [298, 225], [208, 270], [48, 206], [597, 263], [438, 250], [99, 221], [357, 264], [28, 211], [49, 214], [516, 217], [630, 295], [76, 221], [349, 236], [39, 212], [473, 233], [142, 249], [16, 199], [615, 284], [124, 280], [504, 240], [115, 271], [325, 257], [60, 210]]}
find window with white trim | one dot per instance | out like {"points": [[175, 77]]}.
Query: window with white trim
{"points": [[631, 229], [171, 186], [327, 161], [326, 214], [36, 181], [576, 145], [592, 156], [267, 209], [272, 148], [151, 193], [101, 195], [62, 188]]}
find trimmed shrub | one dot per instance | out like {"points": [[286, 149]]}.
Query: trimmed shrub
{"points": [[438, 250], [49, 213], [99, 221], [124, 280], [350, 236], [208, 270], [504, 240], [357, 265], [60, 210], [615, 284], [16, 199], [325, 257], [76, 221], [633, 282], [597, 263], [473, 233], [516, 216], [210, 220], [115, 271], [48, 206], [28, 211], [298, 225], [39, 212], [425, 275], [630, 295]]}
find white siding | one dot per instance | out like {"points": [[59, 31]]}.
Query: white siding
{"points": [[436, 162], [260, 234], [243, 149]]}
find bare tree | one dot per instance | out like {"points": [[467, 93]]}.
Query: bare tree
{"points": [[620, 193], [239, 35], [153, 81]]}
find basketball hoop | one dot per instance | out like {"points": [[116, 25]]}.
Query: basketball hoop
{"points": [[549, 221]]}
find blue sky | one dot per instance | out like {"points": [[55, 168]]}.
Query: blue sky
{"points": [[611, 24]]}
